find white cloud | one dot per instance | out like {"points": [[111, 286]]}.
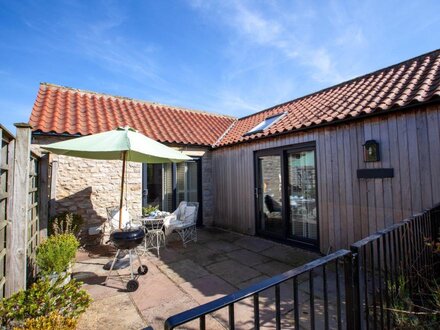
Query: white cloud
{"points": [[276, 29]]}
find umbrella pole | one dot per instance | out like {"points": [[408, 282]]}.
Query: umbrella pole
{"points": [[124, 154]]}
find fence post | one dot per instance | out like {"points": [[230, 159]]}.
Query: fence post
{"points": [[17, 267], [43, 194], [9, 257], [357, 311], [351, 286]]}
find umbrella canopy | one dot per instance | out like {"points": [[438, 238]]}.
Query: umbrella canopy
{"points": [[112, 144], [125, 144]]}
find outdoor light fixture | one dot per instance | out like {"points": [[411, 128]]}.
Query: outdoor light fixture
{"points": [[371, 151]]}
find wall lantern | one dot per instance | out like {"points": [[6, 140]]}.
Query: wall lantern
{"points": [[371, 151]]}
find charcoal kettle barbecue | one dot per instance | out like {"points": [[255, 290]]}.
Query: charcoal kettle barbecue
{"points": [[128, 240]]}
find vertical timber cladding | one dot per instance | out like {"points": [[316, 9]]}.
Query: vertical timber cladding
{"points": [[349, 208]]}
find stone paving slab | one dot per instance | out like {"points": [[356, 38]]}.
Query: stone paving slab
{"points": [[232, 271], [289, 255], [247, 257], [156, 315], [183, 271], [155, 290], [273, 268], [220, 263], [221, 245], [89, 268], [205, 256], [251, 281], [207, 288], [118, 312], [254, 244], [95, 286]]}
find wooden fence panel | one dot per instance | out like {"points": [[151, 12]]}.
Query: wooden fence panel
{"points": [[7, 144], [33, 219], [22, 216]]}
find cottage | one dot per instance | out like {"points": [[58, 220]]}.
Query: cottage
{"points": [[321, 171], [88, 187]]}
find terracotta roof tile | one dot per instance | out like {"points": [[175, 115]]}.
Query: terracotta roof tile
{"points": [[60, 109], [414, 81], [65, 110]]}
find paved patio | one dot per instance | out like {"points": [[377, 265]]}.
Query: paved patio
{"points": [[220, 263]]}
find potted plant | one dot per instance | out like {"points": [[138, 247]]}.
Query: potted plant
{"points": [[149, 210], [55, 255]]}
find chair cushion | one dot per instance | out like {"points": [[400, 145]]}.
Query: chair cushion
{"points": [[180, 212], [125, 218], [189, 215]]}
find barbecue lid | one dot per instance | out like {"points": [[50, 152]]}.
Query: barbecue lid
{"points": [[127, 234]]}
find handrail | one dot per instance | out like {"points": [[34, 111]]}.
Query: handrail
{"points": [[196, 312]]}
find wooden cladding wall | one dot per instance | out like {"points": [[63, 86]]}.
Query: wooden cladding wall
{"points": [[349, 208]]}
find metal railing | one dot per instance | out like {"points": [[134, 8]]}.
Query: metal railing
{"points": [[311, 269], [372, 273], [383, 260]]}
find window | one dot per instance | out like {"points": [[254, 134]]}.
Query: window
{"points": [[269, 121]]}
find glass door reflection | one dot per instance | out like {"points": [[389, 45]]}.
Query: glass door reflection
{"points": [[302, 195], [270, 195]]}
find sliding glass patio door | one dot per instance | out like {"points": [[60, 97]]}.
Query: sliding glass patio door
{"points": [[286, 194], [166, 185]]}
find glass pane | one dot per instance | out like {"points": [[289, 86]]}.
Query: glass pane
{"points": [[167, 184], [192, 187], [181, 182], [270, 190], [302, 194], [187, 182], [154, 184]]}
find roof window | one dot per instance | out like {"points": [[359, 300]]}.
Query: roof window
{"points": [[266, 123]]}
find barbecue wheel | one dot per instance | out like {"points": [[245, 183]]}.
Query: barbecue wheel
{"points": [[142, 270], [132, 285]]}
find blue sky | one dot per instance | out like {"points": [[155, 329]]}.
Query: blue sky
{"points": [[232, 57]]}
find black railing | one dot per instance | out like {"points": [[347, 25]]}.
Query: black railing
{"points": [[398, 255], [372, 273], [310, 270]]}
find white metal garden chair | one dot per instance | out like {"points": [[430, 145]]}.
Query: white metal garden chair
{"points": [[183, 222]]}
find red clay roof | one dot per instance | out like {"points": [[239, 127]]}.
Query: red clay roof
{"points": [[414, 81], [65, 110]]}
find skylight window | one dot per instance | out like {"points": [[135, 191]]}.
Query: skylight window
{"points": [[269, 121]]}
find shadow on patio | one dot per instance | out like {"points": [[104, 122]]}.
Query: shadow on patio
{"points": [[220, 263]]}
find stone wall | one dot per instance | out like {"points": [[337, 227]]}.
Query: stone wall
{"points": [[87, 187]]}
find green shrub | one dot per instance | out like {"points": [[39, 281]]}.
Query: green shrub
{"points": [[55, 254], [53, 321], [65, 223], [41, 299]]}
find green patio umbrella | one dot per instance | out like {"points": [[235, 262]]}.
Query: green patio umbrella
{"points": [[125, 144]]}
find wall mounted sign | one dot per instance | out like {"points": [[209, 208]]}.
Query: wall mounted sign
{"points": [[375, 173]]}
